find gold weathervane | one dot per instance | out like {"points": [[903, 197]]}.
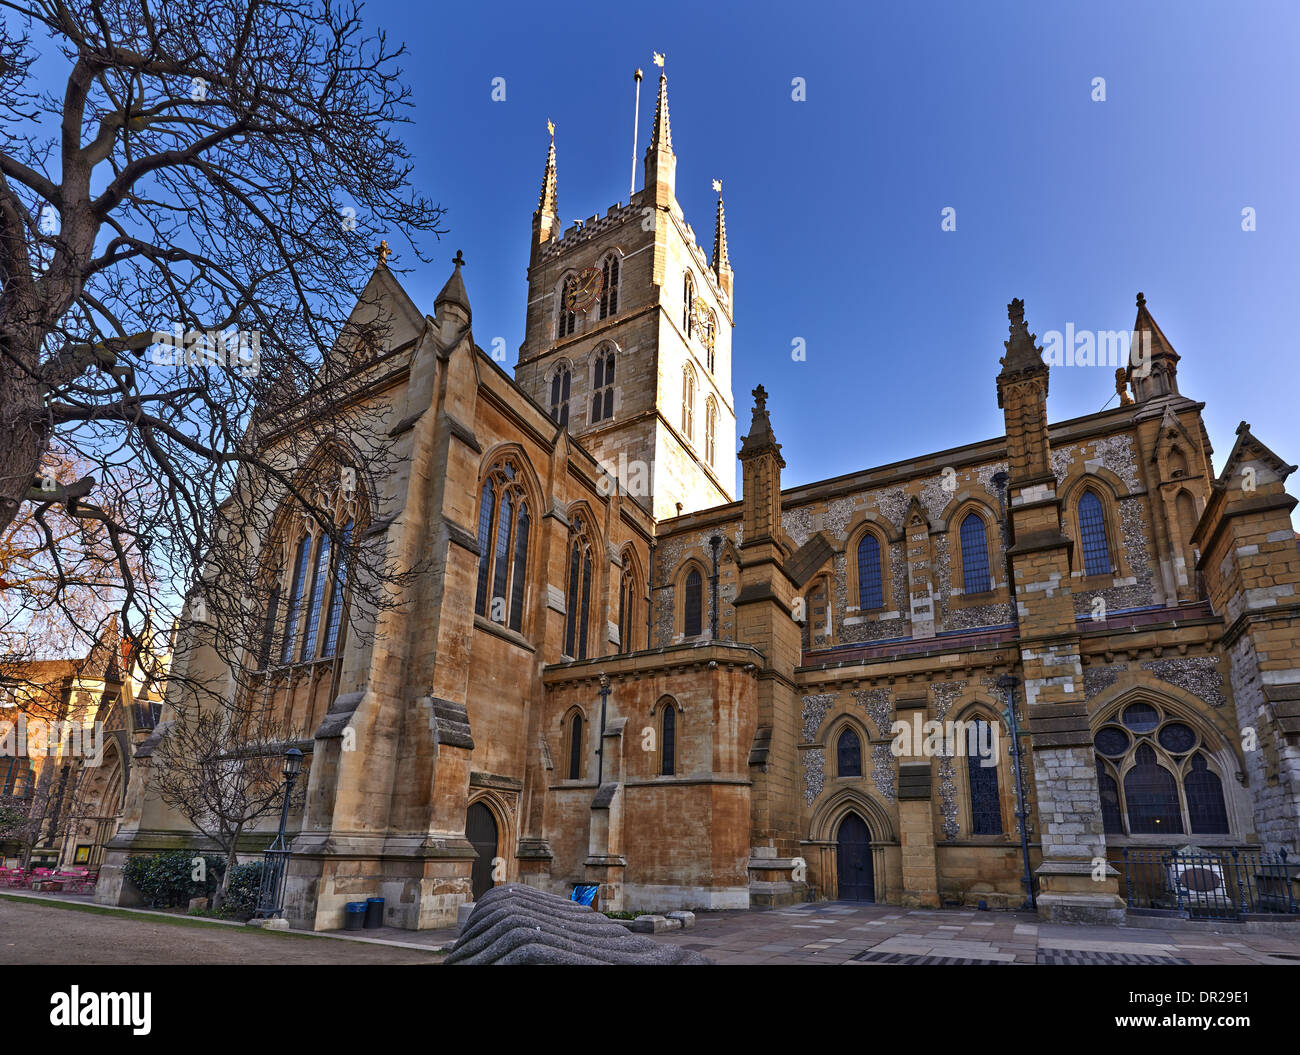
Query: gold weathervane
{"points": [[550, 127], [659, 58]]}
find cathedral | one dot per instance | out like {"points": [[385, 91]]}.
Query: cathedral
{"points": [[613, 680]]}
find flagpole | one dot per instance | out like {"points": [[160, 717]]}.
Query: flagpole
{"points": [[636, 117]]}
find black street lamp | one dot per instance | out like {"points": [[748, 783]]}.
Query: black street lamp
{"points": [[1007, 683], [270, 899]]}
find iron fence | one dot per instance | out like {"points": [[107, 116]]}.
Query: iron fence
{"points": [[1206, 884]]}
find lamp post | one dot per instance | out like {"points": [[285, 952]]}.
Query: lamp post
{"points": [[1007, 683], [270, 899]]}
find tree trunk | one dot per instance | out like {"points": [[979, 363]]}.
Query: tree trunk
{"points": [[231, 854]]}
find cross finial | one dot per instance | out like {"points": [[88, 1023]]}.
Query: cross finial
{"points": [[458, 259], [760, 397], [382, 252]]}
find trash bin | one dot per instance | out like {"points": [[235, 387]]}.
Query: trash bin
{"points": [[374, 912], [354, 916]]}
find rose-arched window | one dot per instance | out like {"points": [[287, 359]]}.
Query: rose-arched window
{"points": [[1157, 775]]}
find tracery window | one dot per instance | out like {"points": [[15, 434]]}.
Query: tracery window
{"points": [[688, 402], [710, 430], [1157, 776], [688, 302], [579, 591], [567, 320], [627, 608], [561, 382], [503, 527], [602, 387], [609, 288]]}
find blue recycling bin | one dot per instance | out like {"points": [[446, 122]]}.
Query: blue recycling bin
{"points": [[374, 913], [354, 915]]}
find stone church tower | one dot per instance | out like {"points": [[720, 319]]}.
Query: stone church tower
{"points": [[632, 295]]}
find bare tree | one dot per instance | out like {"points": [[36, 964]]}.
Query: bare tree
{"points": [[213, 170], [220, 769]]}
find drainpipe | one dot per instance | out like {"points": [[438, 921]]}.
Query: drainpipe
{"points": [[714, 542]]}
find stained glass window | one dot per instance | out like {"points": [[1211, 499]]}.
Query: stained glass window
{"points": [[693, 604], [1152, 796], [338, 595], [295, 600], [985, 802], [974, 555], [1092, 526], [1205, 806], [848, 754], [668, 754], [870, 591]]}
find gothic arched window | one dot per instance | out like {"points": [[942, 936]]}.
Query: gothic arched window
{"points": [[870, 588], [710, 338], [575, 747], [985, 802], [848, 755], [579, 592], [602, 387], [296, 585], [338, 595], [974, 555], [688, 402], [668, 741], [693, 604], [567, 320], [1092, 532], [311, 598], [627, 608], [710, 430], [1157, 777], [688, 301], [503, 524], [560, 384], [609, 288]]}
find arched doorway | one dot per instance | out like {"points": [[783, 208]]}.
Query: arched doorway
{"points": [[481, 831], [853, 860]]}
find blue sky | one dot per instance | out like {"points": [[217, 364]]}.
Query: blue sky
{"points": [[834, 204]]}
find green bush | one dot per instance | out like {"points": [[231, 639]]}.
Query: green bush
{"points": [[241, 894], [166, 880]]}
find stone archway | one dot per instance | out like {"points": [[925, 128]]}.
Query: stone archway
{"points": [[483, 834]]}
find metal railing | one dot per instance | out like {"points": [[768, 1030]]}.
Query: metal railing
{"points": [[1206, 884]]}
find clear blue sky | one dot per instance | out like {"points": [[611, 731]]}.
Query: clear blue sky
{"points": [[834, 203]]}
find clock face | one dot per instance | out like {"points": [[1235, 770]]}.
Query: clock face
{"points": [[702, 322], [586, 291]]}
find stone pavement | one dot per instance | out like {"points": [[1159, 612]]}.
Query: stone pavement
{"points": [[865, 934]]}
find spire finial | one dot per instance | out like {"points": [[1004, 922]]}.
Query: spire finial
{"points": [[661, 138], [382, 252], [548, 201], [760, 398], [1142, 300], [458, 259], [721, 260]]}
